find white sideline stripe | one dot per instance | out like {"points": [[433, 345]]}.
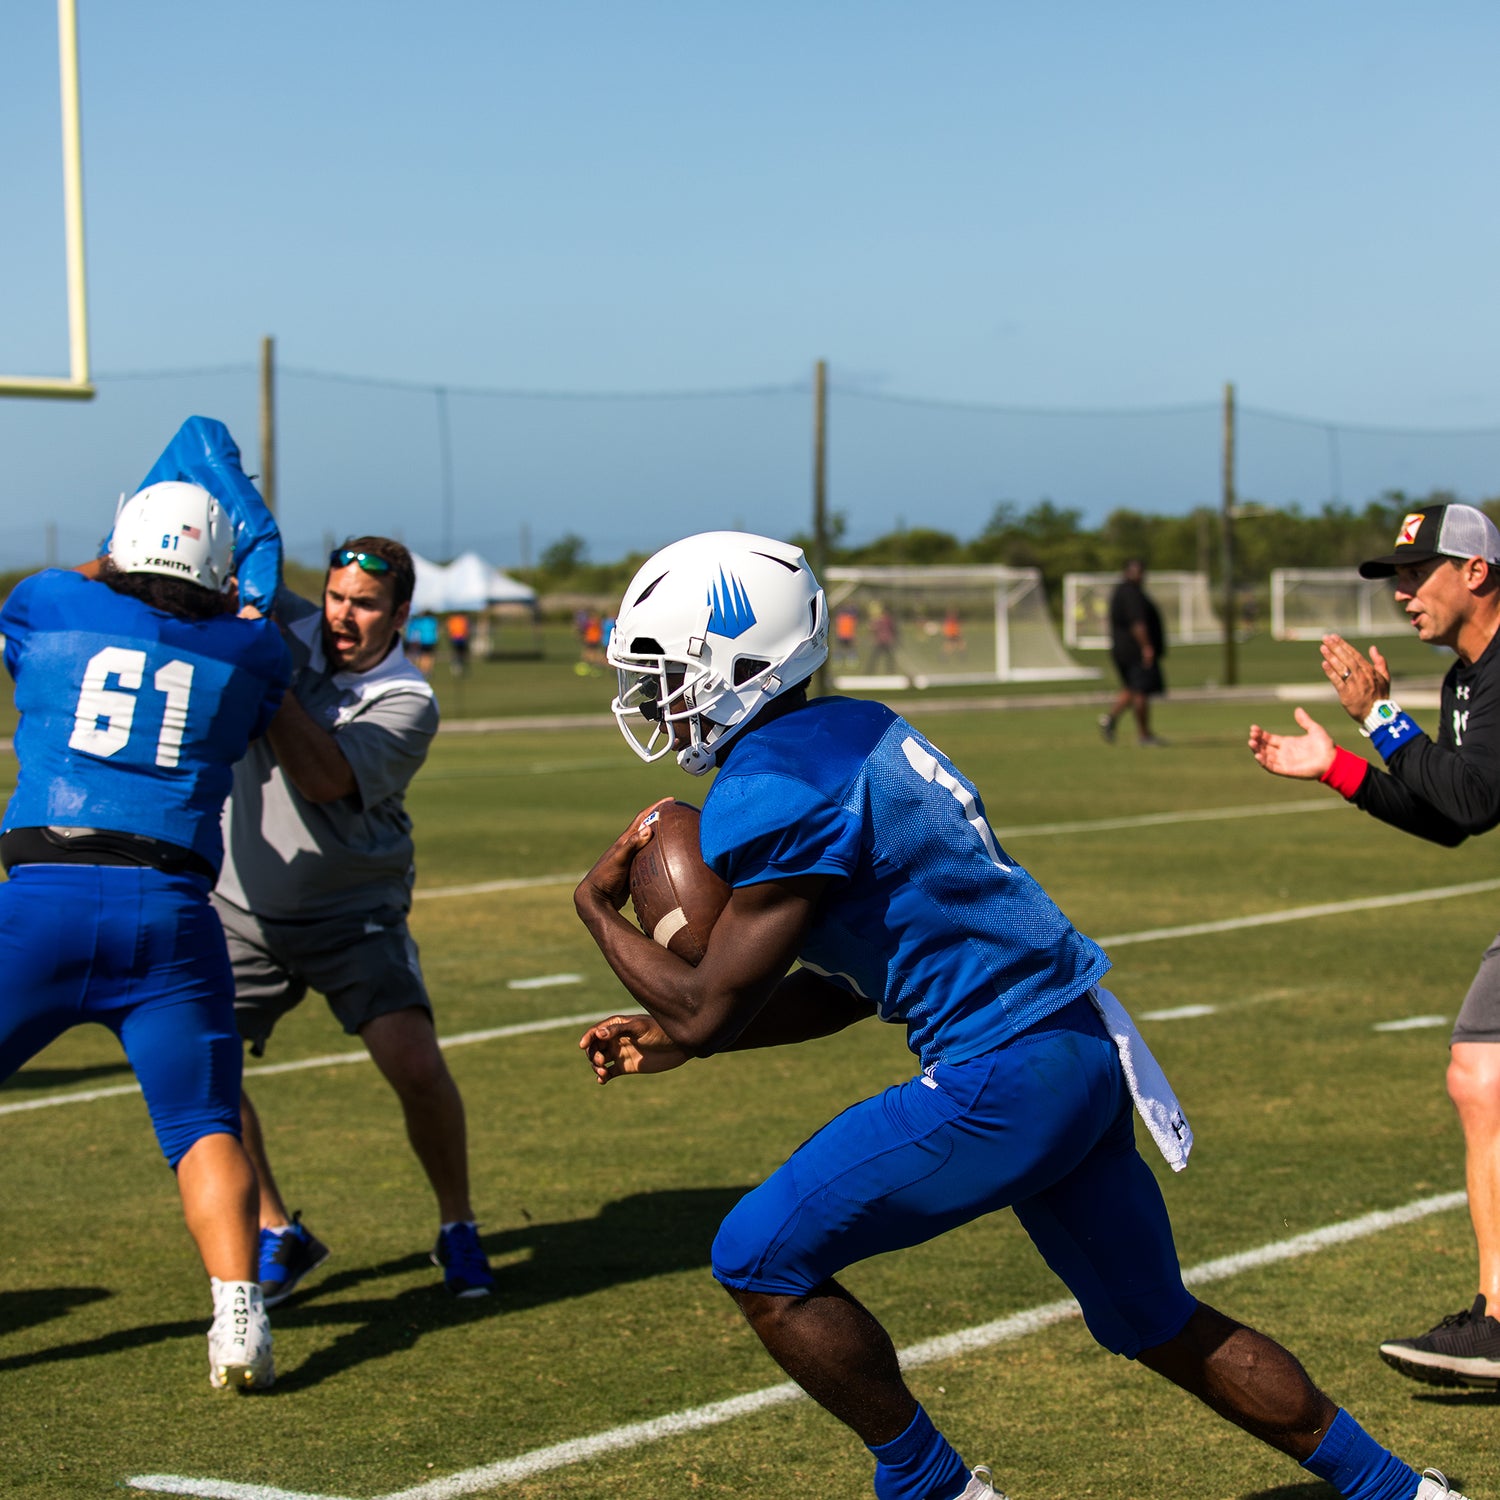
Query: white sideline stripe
{"points": [[328, 1060], [485, 887], [1158, 820], [695, 1419], [1299, 914], [1121, 940], [1030, 830]]}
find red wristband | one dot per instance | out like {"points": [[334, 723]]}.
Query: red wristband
{"points": [[1346, 773]]}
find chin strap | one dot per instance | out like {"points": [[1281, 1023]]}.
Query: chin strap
{"points": [[696, 760]]}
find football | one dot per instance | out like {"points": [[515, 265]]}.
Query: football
{"points": [[677, 898]]}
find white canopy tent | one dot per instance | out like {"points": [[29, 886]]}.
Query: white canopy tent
{"points": [[468, 584], [471, 586]]}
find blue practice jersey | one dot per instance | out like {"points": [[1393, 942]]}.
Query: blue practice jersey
{"points": [[132, 719], [926, 915]]}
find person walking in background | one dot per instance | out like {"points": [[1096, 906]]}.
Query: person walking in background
{"points": [[883, 632], [865, 883], [139, 690], [1446, 563], [953, 634], [422, 639], [317, 884], [591, 643], [458, 642], [846, 637], [1137, 645]]}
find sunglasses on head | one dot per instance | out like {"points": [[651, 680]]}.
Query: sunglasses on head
{"points": [[341, 557]]}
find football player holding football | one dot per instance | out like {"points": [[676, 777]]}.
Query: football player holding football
{"points": [[139, 688], [852, 843]]}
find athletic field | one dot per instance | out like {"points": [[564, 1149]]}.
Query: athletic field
{"points": [[1293, 964]]}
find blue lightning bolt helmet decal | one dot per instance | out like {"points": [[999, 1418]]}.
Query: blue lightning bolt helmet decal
{"points": [[731, 615]]}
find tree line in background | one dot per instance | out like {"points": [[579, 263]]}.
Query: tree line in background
{"points": [[1054, 539], [1046, 536]]}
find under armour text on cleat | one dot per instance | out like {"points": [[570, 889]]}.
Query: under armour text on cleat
{"points": [[239, 1339], [286, 1256], [1464, 1349], [980, 1486], [466, 1269], [1435, 1487]]}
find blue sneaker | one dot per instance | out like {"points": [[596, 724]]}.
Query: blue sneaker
{"points": [[466, 1269], [286, 1257]]}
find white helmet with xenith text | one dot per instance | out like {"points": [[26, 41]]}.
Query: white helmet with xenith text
{"points": [[177, 529], [711, 629]]}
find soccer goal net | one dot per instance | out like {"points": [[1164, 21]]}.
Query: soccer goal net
{"points": [[927, 627], [1307, 603], [1186, 614]]}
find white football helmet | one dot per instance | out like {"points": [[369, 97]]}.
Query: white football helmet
{"points": [[177, 529], [712, 628]]}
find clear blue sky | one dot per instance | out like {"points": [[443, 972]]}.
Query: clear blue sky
{"points": [[1077, 206]]}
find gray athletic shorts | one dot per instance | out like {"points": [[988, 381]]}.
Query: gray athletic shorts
{"points": [[365, 966], [1479, 1020]]}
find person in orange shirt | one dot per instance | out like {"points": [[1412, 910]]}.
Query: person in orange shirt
{"points": [[458, 642]]}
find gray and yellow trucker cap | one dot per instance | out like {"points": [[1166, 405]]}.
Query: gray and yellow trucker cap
{"points": [[1438, 531]]}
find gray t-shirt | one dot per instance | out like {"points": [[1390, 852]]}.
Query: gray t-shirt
{"points": [[288, 858]]}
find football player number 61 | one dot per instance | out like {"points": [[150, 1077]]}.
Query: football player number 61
{"points": [[104, 716]]}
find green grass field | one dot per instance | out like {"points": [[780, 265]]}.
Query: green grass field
{"points": [[598, 1205]]}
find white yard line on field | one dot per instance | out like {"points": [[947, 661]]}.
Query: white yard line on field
{"points": [[1020, 831], [328, 1060], [1161, 820], [1297, 914], [1118, 940], [695, 1419]]}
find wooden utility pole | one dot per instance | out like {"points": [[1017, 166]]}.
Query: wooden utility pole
{"points": [[445, 454], [820, 683], [1231, 665], [268, 423]]}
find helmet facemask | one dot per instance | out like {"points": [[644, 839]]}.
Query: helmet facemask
{"points": [[660, 695], [712, 628]]}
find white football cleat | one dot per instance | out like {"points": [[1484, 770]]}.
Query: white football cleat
{"points": [[239, 1340], [1435, 1487], [980, 1486]]}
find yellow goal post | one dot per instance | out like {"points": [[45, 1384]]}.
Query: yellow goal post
{"points": [[76, 385]]}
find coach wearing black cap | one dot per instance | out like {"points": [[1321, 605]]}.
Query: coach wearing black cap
{"points": [[1446, 564]]}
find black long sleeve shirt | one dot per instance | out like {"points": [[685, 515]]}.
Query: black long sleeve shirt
{"points": [[1448, 788]]}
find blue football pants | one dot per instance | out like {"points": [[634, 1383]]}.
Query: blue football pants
{"points": [[1043, 1124], [142, 953]]}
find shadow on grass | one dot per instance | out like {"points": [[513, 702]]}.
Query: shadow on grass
{"points": [[632, 1239], [106, 1343], [57, 1078], [1313, 1489], [1457, 1398], [25, 1309]]}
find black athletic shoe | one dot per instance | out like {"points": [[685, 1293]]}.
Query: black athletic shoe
{"points": [[1463, 1349], [286, 1258]]}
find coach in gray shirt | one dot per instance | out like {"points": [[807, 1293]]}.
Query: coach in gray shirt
{"points": [[317, 884]]}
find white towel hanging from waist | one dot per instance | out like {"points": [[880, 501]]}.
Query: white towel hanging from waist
{"points": [[1154, 1100]]}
